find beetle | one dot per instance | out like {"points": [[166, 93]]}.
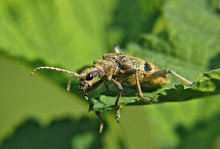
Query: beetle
{"points": [[121, 70]]}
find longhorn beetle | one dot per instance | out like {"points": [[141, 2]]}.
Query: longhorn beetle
{"points": [[121, 70]]}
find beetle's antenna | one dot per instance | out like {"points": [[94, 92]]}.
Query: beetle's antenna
{"points": [[74, 74]]}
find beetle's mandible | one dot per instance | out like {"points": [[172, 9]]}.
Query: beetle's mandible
{"points": [[121, 70]]}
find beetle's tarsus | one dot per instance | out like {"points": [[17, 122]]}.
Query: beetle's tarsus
{"points": [[148, 100], [117, 114], [101, 125]]}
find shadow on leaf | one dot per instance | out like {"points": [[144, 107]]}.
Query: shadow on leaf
{"points": [[145, 13], [202, 135], [65, 133], [214, 62]]}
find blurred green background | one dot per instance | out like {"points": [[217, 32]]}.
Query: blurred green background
{"points": [[37, 112]]}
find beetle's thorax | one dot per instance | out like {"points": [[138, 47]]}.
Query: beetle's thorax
{"points": [[103, 69], [108, 66]]}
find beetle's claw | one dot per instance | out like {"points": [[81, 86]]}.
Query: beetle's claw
{"points": [[148, 100], [117, 115], [86, 97]]}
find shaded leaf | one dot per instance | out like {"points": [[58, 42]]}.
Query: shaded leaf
{"points": [[203, 135], [190, 35], [132, 18], [58, 134]]}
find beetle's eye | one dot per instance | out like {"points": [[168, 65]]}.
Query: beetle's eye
{"points": [[89, 76], [147, 67]]}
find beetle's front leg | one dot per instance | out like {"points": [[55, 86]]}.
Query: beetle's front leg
{"points": [[93, 87], [117, 106], [100, 121]]}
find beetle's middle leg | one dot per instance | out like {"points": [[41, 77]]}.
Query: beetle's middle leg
{"points": [[134, 72], [140, 94]]}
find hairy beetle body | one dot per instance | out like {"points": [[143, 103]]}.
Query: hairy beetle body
{"points": [[120, 70]]}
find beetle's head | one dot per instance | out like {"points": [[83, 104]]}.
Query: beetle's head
{"points": [[87, 78]]}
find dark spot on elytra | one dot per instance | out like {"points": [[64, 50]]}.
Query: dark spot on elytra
{"points": [[147, 67]]}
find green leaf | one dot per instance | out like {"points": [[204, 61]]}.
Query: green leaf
{"points": [[132, 18], [195, 137], [178, 33], [58, 134], [207, 84], [72, 33], [55, 32], [68, 33]]}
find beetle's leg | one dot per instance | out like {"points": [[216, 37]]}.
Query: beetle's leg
{"points": [[69, 83], [106, 86], [163, 72], [117, 107], [127, 74], [140, 94], [95, 85], [131, 72], [100, 120]]}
